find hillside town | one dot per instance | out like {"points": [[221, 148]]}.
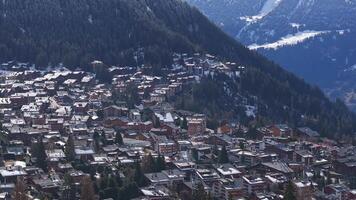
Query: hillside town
{"points": [[114, 132]]}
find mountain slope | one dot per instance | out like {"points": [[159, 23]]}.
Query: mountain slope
{"points": [[260, 21], [76, 32], [307, 37]]}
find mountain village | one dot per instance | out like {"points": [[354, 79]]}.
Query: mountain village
{"points": [[114, 133]]}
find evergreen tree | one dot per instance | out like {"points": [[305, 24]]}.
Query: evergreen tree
{"points": [[160, 163], [185, 195], [87, 190], [289, 192], [223, 156], [41, 156], [68, 191], [118, 138], [252, 132], [112, 182], [184, 123], [19, 192], [242, 145], [132, 97], [103, 139], [139, 177], [230, 197], [352, 182], [103, 183], [129, 191], [69, 149], [177, 122], [215, 150], [328, 179], [199, 192], [156, 122], [210, 196], [118, 179], [111, 191], [195, 155], [147, 115], [96, 140], [148, 164]]}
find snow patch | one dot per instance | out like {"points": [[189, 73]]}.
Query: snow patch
{"points": [[268, 7], [342, 32], [352, 68], [148, 9], [296, 25], [90, 19], [349, 1], [250, 111], [22, 30], [289, 40]]}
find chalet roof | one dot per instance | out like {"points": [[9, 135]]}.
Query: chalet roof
{"points": [[84, 151], [157, 177], [309, 132], [227, 169], [279, 166]]}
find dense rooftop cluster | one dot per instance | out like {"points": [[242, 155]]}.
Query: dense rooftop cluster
{"points": [[116, 133]]}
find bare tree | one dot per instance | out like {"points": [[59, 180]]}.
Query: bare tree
{"points": [[87, 190], [19, 192]]}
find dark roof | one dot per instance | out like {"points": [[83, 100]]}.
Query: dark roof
{"points": [[309, 132], [279, 166]]}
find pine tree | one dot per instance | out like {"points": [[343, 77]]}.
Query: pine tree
{"points": [[223, 156], [328, 179], [199, 192], [185, 195], [160, 163], [118, 138], [139, 176], [195, 154], [112, 190], [118, 179], [68, 192], [184, 123], [289, 192], [103, 183], [103, 139], [41, 156], [96, 141], [69, 149], [19, 192], [156, 122], [242, 145], [215, 150], [128, 191], [87, 190], [148, 164], [177, 121]]}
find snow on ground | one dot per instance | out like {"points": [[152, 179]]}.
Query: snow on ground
{"points": [[289, 40], [296, 25], [251, 111], [268, 7], [352, 68], [90, 19]]}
